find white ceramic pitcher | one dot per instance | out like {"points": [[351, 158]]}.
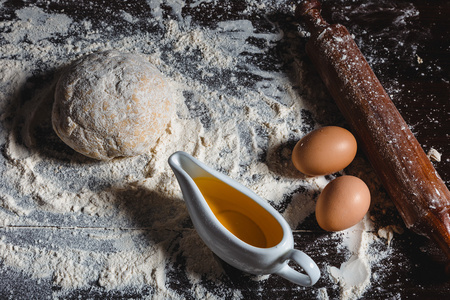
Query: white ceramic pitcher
{"points": [[267, 253]]}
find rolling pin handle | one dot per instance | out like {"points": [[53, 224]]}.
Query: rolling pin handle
{"points": [[308, 12]]}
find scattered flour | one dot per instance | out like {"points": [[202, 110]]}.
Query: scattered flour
{"points": [[69, 221], [434, 155], [354, 275]]}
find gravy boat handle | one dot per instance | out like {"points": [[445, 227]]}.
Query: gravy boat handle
{"points": [[307, 264]]}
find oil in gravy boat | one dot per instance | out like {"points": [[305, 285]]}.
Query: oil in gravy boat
{"points": [[238, 225]]}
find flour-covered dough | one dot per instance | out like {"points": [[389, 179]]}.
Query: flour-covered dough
{"points": [[111, 104]]}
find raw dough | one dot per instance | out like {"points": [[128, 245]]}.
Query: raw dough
{"points": [[111, 104]]}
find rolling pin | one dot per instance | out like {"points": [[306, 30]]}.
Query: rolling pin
{"points": [[418, 192]]}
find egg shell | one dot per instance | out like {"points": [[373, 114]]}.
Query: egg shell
{"points": [[342, 203], [324, 151]]}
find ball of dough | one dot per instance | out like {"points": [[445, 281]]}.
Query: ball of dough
{"points": [[111, 104]]}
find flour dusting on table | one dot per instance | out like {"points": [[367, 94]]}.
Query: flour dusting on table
{"points": [[68, 221]]}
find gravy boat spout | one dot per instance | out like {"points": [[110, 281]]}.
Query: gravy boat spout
{"points": [[238, 225]]}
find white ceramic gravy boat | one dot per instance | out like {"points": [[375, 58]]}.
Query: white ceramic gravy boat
{"points": [[265, 243]]}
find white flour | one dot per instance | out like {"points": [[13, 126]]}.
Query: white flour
{"points": [[71, 221]]}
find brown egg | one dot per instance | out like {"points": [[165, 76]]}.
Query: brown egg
{"points": [[324, 151], [342, 203]]}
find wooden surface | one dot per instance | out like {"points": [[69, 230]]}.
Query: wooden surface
{"points": [[407, 174], [413, 65]]}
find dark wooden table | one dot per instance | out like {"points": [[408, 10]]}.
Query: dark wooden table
{"points": [[410, 53]]}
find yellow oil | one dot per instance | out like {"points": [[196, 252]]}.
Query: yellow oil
{"points": [[241, 215]]}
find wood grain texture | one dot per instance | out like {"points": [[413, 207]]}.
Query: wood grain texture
{"points": [[413, 184]]}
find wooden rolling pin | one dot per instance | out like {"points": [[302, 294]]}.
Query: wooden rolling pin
{"points": [[406, 172]]}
